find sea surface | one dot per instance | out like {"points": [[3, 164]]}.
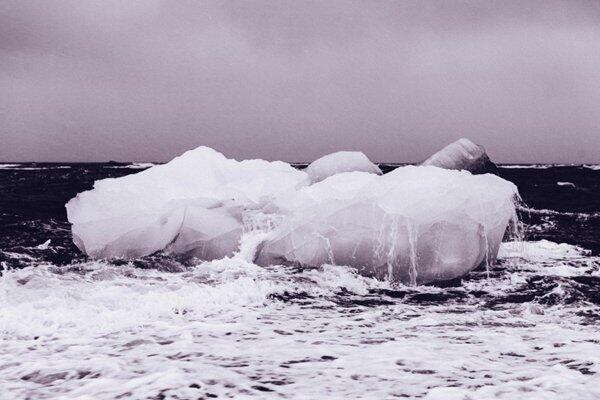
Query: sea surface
{"points": [[161, 328]]}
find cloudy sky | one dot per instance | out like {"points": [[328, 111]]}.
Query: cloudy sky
{"points": [[293, 80]]}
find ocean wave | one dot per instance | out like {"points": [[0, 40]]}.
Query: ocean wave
{"points": [[566, 184], [545, 166], [526, 166], [21, 167], [133, 165], [8, 166], [595, 167], [231, 329], [542, 250], [577, 215]]}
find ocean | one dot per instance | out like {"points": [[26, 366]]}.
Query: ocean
{"points": [[163, 328]]}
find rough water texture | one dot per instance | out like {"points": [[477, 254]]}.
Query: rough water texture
{"points": [[158, 327], [415, 224]]}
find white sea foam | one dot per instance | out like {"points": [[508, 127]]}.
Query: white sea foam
{"points": [[43, 246], [548, 258], [566, 184], [224, 328], [537, 166], [136, 165], [544, 211], [22, 167], [541, 250], [141, 165], [8, 166], [526, 166]]}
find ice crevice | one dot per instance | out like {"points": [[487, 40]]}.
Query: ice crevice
{"points": [[415, 224]]}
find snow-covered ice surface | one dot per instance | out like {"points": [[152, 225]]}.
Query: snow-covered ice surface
{"points": [[232, 329], [341, 161], [191, 204]]}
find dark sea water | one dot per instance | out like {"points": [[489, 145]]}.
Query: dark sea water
{"points": [[159, 328]]}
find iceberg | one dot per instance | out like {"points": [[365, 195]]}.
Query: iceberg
{"points": [[341, 161], [192, 205], [462, 155], [416, 224]]}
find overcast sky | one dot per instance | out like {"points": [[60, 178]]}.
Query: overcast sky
{"points": [[293, 80]]}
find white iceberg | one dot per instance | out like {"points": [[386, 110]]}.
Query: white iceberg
{"points": [[338, 162], [414, 224], [193, 204]]}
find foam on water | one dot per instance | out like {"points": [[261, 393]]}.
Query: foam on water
{"points": [[525, 166], [138, 165], [231, 329], [571, 184], [561, 213], [156, 328], [27, 167]]}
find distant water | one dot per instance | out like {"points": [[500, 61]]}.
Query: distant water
{"points": [[157, 328]]}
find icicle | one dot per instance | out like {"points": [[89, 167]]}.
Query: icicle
{"points": [[391, 255], [412, 240]]}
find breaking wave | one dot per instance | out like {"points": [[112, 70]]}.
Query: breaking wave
{"points": [[161, 328], [231, 329]]}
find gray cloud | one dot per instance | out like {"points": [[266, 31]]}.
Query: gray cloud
{"points": [[292, 80]]}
